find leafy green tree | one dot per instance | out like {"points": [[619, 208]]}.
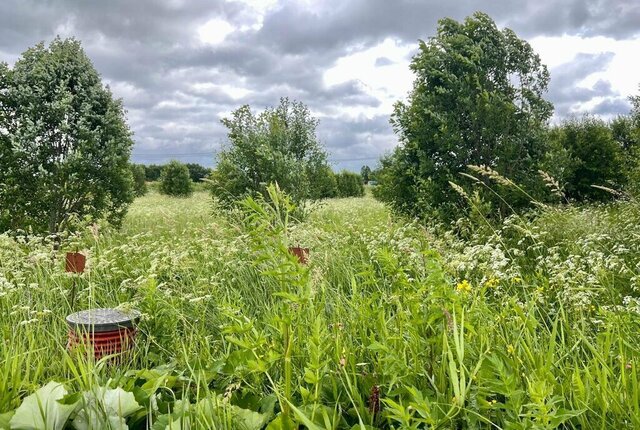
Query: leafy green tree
{"points": [[277, 145], [365, 172], [65, 142], [139, 179], [152, 172], [582, 153], [476, 100], [323, 184], [197, 172], [349, 184], [175, 180]]}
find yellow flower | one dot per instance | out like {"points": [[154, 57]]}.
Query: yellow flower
{"points": [[464, 286], [493, 282], [516, 279], [511, 349]]}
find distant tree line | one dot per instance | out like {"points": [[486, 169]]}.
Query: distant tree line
{"points": [[196, 172]]}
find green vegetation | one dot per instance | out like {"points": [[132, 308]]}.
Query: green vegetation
{"points": [[349, 184], [498, 305], [139, 179], [64, 143], [278, 145], [477, 99], [533, 326], [175, 180]]}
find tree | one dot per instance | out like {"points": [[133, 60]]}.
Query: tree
{"points": [[323, 185], [197, 172], [582, 153], [139, 179], [175, 180], [276, 145], [365, 172], [476, 100], [66, 145], [349, 184], [152, 172]]}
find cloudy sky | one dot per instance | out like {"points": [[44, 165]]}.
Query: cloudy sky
{"points": [[181, 65]]}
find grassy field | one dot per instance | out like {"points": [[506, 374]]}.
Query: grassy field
{"points": [[533, 326]]}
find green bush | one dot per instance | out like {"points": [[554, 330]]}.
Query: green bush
{"points": [[152, 172], [582, 152], [175, 180], [323, 184], [349, 184], [139, 179], [278, 145]]}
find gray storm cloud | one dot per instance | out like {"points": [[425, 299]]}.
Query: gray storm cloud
{"points": [[176, 88]]}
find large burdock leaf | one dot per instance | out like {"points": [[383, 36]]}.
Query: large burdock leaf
{"points": [[105, 408], [43, 410]]}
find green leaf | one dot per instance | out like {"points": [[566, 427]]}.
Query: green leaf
{"points": [[43, 410], [282, 422], [105, 408], [4, 420]]}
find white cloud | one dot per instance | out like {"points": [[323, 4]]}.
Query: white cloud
{"points": [[622, 71], [387, 83], [215, 31]]}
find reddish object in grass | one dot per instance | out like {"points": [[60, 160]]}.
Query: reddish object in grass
{"points": [[105, 331], [301, 253], [75, 262]]}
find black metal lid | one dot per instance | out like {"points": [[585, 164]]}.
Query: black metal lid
{"points": [[103, 319]]}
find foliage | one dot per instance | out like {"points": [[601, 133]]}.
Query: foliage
{"points": [[324, 184], [65, 143], [139, 179], [533, 325], [197, 172], [349, 184], [365, 172], [583, 153], [175, 180], [476, 99], [278, 145], [153, 172]]}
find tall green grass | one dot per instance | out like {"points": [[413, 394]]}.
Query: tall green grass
{"points": [[379, 330]]}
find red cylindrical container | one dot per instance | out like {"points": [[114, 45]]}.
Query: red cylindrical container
{"points": [[301, 253], [105, 331]]}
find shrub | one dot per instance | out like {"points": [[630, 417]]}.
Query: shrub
{"points": [[139, 179], [175, 180], [278, 145], [349, 184], [582, 153], [197, 172]]}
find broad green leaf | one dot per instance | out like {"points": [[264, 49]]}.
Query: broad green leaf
{"points": [[43, 410], [105, 408]]}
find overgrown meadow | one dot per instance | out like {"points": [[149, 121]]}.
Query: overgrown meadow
{"points": [[390, 325]]}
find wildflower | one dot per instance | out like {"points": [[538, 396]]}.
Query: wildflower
{"points": [[492, 282], [516, 279], [511, 349], [464, 286]]}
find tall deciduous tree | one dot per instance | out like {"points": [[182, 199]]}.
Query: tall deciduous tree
{"points": [[276, 145], [66, 144], [477, 99]]}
